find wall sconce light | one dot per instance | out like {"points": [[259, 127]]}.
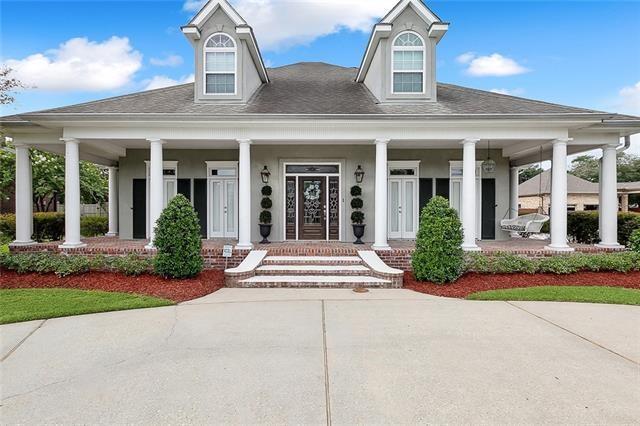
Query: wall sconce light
{"points": [[265, 173], [359, 174]]}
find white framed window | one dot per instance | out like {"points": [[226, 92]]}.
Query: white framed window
{"points": [[220, 65], [407, 64]]}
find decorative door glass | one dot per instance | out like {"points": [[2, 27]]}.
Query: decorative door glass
{"points": [[409, 209], [230, 208], [312, 202], [216, 208], [394, 208]]}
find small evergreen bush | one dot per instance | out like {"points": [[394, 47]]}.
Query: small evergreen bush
{"points": [[178, 240], [93, 226], [634, 241], [266, 203], [438, 256], [266, 190], [265, 217], [507, 263], [357, 217], [131, 264]]}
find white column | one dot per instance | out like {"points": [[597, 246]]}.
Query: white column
{"points": [[559, 197], [513, 195], [468, 202], [244, 194], [380, 200], [113, 202], [24, 197], [156, 187], [71, 194], [609, 199], [600, 199]]}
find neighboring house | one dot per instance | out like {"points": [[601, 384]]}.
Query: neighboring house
{"points": [[312, 125], [535, 193]]}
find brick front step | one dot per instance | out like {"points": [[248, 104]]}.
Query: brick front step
{"points": [[312, 260], [312, 270], [313, 281]]}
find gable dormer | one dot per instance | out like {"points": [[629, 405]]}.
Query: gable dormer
{"points": [[399, 64], [228, 65]]}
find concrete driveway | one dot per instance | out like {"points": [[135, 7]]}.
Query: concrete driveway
{"points": [[327, 356]]}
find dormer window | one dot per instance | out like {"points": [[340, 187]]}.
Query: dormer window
{"points": [[220, 65], [408, 64]]}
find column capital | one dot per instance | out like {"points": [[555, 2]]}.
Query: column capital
{"points": [[243, 141], [561, 141], [514, 168], [65, 140], [469, 141], [156, 140], [610, 146], [382, 140]]}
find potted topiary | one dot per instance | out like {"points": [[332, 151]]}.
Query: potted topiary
{"points": [[357, 216], [265, 214]]}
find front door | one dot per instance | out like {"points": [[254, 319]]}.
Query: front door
{"points": [[312, 213], [403, 207], [223, 201]]}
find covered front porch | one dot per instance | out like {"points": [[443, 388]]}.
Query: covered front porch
{"points": [[219, 168]]}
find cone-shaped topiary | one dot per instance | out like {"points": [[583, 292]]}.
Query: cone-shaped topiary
{"points": [[438, 256], [178, 240]]}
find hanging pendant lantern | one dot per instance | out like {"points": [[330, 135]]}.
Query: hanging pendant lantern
{"points": [[488, 165]]}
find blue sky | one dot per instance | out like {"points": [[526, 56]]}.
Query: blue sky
{"points": [[581, 53]]}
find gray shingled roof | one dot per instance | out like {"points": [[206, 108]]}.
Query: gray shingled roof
{"points": [[316, 88], [575, 185]]}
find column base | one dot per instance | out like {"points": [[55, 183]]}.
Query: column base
{"points": [[609, 246], [111, 234], [565, 248], [248, 246], [18, 243], [471, 247], [66, 245], [380, 247], [150, 246]]}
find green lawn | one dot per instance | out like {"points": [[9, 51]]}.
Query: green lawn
{"points": [[589, 294], [30, 304]]}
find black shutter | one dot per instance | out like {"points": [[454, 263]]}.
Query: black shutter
{"points": [[442, 187], [425, 193], [488, 209], [200, 203], [184, 188], [139, 207]]}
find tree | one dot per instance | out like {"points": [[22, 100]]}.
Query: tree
{"points": [[48, 179], [8, 85], [529, 172], [587, 167]]}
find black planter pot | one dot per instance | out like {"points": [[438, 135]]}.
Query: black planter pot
{"points": [[265, 231], [358, 232]]}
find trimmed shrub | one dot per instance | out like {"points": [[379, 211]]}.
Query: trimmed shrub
{"points": [[438, 256], [8, 226], [634, 241], [266, 190], [93, 226], [178, 240], [356, 203], [130, 264], [583, 227], [477, 262], [627, 223], [47, 226], [265, 217], [357, 217], [356, 191], [507, 263], [266, 203]]}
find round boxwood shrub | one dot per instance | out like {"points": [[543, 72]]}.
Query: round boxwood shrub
{"points": [[356, 191], [178, 240], [438, 256], [356, 203], [634, 241], [265, 217], [357, 217], [266, 190], [266, 203]]}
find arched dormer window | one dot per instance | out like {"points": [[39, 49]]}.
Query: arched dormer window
{"points": [[407, 64], [220, 65]]}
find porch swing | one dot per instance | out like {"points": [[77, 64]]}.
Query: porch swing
{"points": [[527, 224]]}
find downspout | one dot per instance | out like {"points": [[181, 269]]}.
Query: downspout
{"points": [[626, 145]]}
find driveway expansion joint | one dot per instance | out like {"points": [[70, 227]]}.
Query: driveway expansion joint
{"points": [[573, 332], [326, 366], [22, 341]]}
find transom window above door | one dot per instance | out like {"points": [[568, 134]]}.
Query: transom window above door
{"points": [[220, 65], [408, 63]]}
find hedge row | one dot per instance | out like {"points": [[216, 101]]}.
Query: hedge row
{"points": [[63, 265], [49, 226], [582, 227], [506, 263]]}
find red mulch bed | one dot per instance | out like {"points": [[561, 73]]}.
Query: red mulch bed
{"points": [[472, 282], [151, 285]]}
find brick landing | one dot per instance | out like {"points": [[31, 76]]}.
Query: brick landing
{"points": [[398, 257]]}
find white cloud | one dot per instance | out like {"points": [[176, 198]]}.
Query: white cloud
{"points": [[167, 61], [629, 99], [160, 81], [279, 24], [512, 92], [80, 64], [494, 65]]}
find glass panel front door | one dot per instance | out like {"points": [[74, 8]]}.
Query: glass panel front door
{"points": [[312, 208], [402, 208], [222, 208]]}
